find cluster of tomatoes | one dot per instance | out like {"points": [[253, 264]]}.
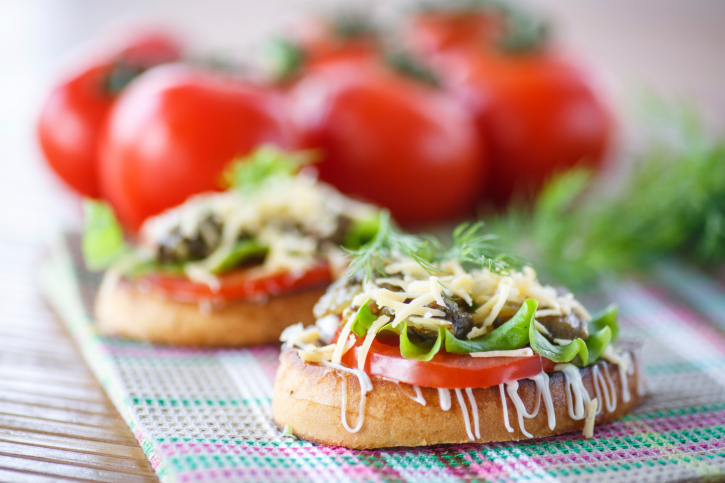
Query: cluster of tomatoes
{"points": [[476, 108]]}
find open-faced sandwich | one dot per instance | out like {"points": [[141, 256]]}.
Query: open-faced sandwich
{"points": [[231, 268], [423, 345]]}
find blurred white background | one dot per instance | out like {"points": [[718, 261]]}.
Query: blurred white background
{"points": [[672, 46]]}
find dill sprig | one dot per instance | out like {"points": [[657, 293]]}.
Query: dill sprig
{"points": [[254, 170], [672, 204], [470, 247]]}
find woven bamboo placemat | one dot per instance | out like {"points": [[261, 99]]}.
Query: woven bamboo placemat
{"points": [[204, 415]]}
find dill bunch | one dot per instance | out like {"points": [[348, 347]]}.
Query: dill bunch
{"points": [[672, 204], [470, 246]]}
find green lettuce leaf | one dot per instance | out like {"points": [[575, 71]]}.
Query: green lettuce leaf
{"points": [[557, 353], [363, 320], [241, 251], [361, 231], [605, 318], [103, 242], [603, 330], [420, 352], [596, 343], [252, 171], [514, 334]]}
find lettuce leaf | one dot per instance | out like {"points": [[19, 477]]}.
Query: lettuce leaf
{"points": [[361, 231], [242, 250], [606, 318], [557, 353], [267, 162], [103, 242], [420, 352], [514, 334], [603, 330], [363, 320], [596, 343]]}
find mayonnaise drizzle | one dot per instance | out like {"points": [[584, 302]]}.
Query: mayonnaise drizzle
{"points": [[577, 396], [504, 405], [366, 386], [474, 412], [542, 387], [444, 396], [512, 388], [623, 362], [418, 394], [464, 410], [602, 386]]}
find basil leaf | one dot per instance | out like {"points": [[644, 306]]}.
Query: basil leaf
{"points": [[361, 231], [420, 352], [242, 250], [103, 242], [363, 320], [557, 353], [514, 334], [606, 318]]}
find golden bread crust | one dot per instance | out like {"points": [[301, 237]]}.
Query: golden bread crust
{"points": [[123, 310], [307, 396]]}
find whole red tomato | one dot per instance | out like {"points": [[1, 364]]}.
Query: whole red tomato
{"points": [[538, 114], [318, 41], [72, 116], [391, 140], [173, 131], [436, 31]]}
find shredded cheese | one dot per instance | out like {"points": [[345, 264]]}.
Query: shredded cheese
{"points": [[372, 332], [410, 295], [525, 352], [287, 215], [589, 419]]}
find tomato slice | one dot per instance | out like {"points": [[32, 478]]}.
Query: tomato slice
{"points": [[445, 370], [237, 285]]}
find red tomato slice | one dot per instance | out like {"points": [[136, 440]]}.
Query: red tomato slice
{"points": [[237, 285], [445, 370]]}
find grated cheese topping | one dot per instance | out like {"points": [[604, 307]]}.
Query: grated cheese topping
{"points": [[408, 294], [288, 215], [524, 352]]}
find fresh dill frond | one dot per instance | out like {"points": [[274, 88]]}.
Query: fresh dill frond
{"points": [[254, 170], [673, 204], [388, 241], [470, 247]]}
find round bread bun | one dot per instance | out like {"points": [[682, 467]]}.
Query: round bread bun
{"points": [[307, 396], [123, 310]]}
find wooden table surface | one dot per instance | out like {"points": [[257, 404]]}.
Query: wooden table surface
{"points": [[55, 420]]}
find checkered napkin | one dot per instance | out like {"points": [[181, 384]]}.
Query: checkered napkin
{"points": [[204, 415]]}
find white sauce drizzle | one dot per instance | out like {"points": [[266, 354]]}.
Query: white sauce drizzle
{"points": [[464, 410], [418, 394], [366, 386], [623, 362], [474, 412], [542, 387], [444, 396], [577, 397], [602, 385], [505, 409], [512, 388]]}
